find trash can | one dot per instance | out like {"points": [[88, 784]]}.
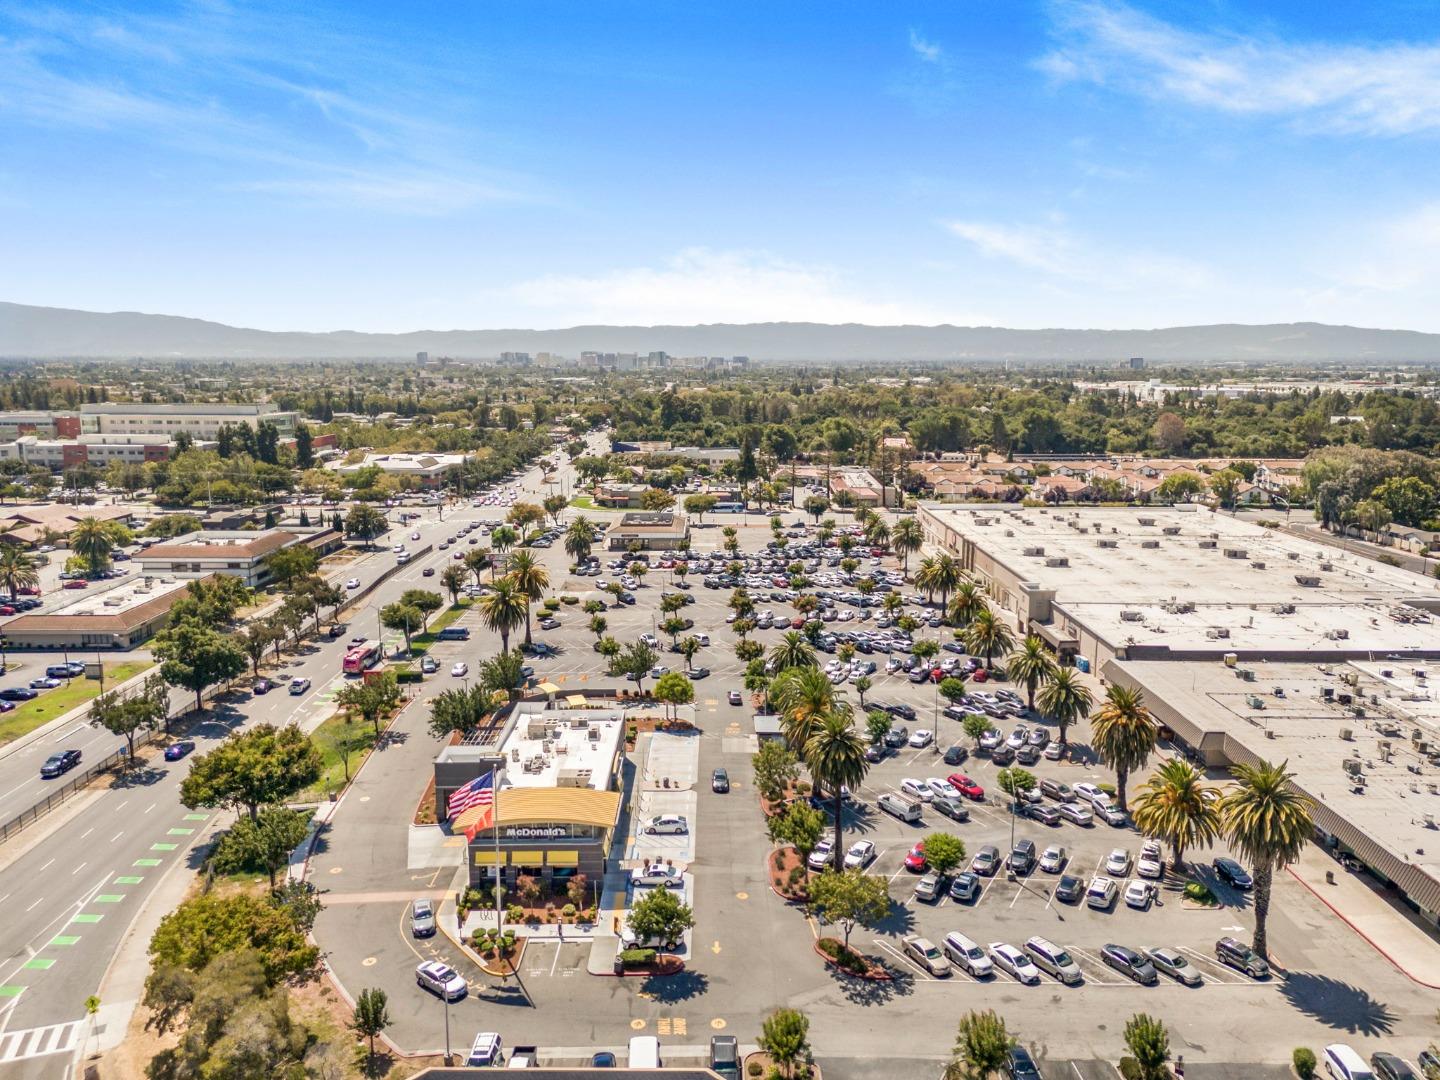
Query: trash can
{"points": [[619, 965]]}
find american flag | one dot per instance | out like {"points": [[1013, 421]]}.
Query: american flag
{"points": [[478, 792]]}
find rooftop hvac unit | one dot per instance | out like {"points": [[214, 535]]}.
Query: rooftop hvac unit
{"points": [[1346, 734], [1293, 556], [1351, 766], [1057, 560], [1235, 553], [1033, 552], [1327, 566], [1214, 536], [1149, 543], [1171, 530], [1310, 581], [1207, 543], [1009, 532], [1231, 659], [1216, 633], [1246, 675], [1327, 693], [1284, 609], [1344, 699], [1131, 616], [1257, 564], [1338, 634], [1146, 520], [1107, 543]]}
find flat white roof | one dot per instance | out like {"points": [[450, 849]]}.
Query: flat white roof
{"points": [[135, 590], [555, 747]]}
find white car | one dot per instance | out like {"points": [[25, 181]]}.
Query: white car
{"points": [[928, 888], [917, 789], [1010, 959], [440, 979], [1150, 864], [821, 856], [1090, 793], [1117, 863], [460, 670], [860, 855], [1054, 751], [1101, 893], [1139, 894], [299, 685], [922, 738], [353, 583], [657, 873], [667, 825], [1052, 861], [415, 535], [940, 789]]}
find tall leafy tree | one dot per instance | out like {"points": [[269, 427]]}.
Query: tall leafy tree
{"points": [[1269, 823], [850, 898], [263, 842], [1123, 733], [906, 538], [982, 1047], [1149, 1044], [251, 769], [580, 537], [372, 1016], [785, 1037], [453, 578], [366, 522], [196, 657], [93, 540]]}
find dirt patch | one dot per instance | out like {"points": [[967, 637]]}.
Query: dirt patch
{"points": [[781, 865]]}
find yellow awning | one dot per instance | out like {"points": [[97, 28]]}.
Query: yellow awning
{"points": [[526, 858], [577, 701], [544, 806], [548, 688], [562, 858], [487, 858]]}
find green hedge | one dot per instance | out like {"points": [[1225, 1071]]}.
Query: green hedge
{"points": [[1303, 1058], [637, 957]]}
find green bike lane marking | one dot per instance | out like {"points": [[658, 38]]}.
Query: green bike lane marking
{"points": [[129, 879], [163, 847], [147, 862], [40, 963], [65, 939], [11, 991]]}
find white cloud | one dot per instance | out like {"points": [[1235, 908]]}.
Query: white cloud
{"points": [[926, 50], [1382, 89], [700, 285], [1058, 252]]}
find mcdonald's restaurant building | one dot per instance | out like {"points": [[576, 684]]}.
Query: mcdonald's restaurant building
{"points": [[558, 796]]}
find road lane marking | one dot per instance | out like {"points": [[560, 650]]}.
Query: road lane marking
{"points": [[78, 869], [48, 865], [117, 836]]}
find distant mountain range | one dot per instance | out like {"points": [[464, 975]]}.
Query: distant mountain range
{"points": [[42, 332]]}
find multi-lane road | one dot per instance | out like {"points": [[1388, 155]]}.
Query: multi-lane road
{"points": [[73, 884]]}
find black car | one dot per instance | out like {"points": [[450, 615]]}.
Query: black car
{"points": [[177, 750], [1069, 889], [1131, 963], [900, 710], [57, 764], [1389, 1067], [725, 1056], [875, 753], [262, 686], [1021, 1065], [1022, 857], [1233, 874], [956, 755], [19, 693], [720, 782]]}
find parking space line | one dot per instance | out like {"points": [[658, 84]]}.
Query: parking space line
{"points": [[905, 960], [1222, 974]]}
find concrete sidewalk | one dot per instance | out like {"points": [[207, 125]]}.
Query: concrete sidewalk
{"points": [[1360, 903]]}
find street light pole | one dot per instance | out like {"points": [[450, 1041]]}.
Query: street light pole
{"points": [[446, 995]]}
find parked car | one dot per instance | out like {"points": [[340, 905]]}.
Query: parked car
{"points": [[1233, 874], [657, 873], [924, 952], [1101, 893], [1074, 812], [956, 755], [485, 1051], [967, 787], [928, 888], [986, 860], [45, 682], [725, 1056], [1021, 1065], [667, 825], [915, 858], [1117, 863], [1052, 861], [18, 693], [734, 697], [1015, 963], [429, 665], [1150, 864], [921, 738], [177, 750], [1021, 859], [860, 855], [1068, 889], [964, 886], [1046, 815], [1139, 895], [1172, 962], [261, 686], [459, 669], [1130, 963], [1389, 1067], [1241, 957], [440, 979], [821, 855], [967, 955]]}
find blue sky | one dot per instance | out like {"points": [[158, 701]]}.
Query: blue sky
{"points": [[427, 165]]}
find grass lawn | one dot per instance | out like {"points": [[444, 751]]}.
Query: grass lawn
{"points": [[52, 703], [420, 643], [584, 502], [331, 738]]}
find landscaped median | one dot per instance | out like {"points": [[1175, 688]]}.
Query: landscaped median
{"points": [[420, 643], [76, 692]]}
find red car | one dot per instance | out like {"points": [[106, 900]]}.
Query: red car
{"points": [[77, 583], [28, 590], [915, 861], [967, 787], [6, 609], [979, 675]]}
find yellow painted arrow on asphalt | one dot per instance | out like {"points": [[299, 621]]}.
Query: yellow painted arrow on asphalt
{"points": [[715, 948]]}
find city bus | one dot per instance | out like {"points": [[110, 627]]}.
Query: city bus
{"points": [[361, 658]]}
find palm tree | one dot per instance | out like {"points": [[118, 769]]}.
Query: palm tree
{"points": [[906, 538], [801, 695], [93, 540], [968, 601], [580, 538], [1123, 733], [531, 579], [1065, 698], [1268, 822], [1177, 806], [17, 570], [942, 575], [877, 533], [792, 651], [503, 608], [835, 755], [987, 635], [1032, 665]]}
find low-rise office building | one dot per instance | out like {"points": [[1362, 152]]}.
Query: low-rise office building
{"points": [[29, 526], [558, 790], [424, 470], [201, 420], [241, 553], [121, 617], [650, 530]]}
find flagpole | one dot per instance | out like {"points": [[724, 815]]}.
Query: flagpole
{"points": [[499, 876]]}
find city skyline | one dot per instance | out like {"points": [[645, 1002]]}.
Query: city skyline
{"points": [[1075, 164]]}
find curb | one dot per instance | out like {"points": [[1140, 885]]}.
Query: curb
{"points": [[1367, 938]]}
